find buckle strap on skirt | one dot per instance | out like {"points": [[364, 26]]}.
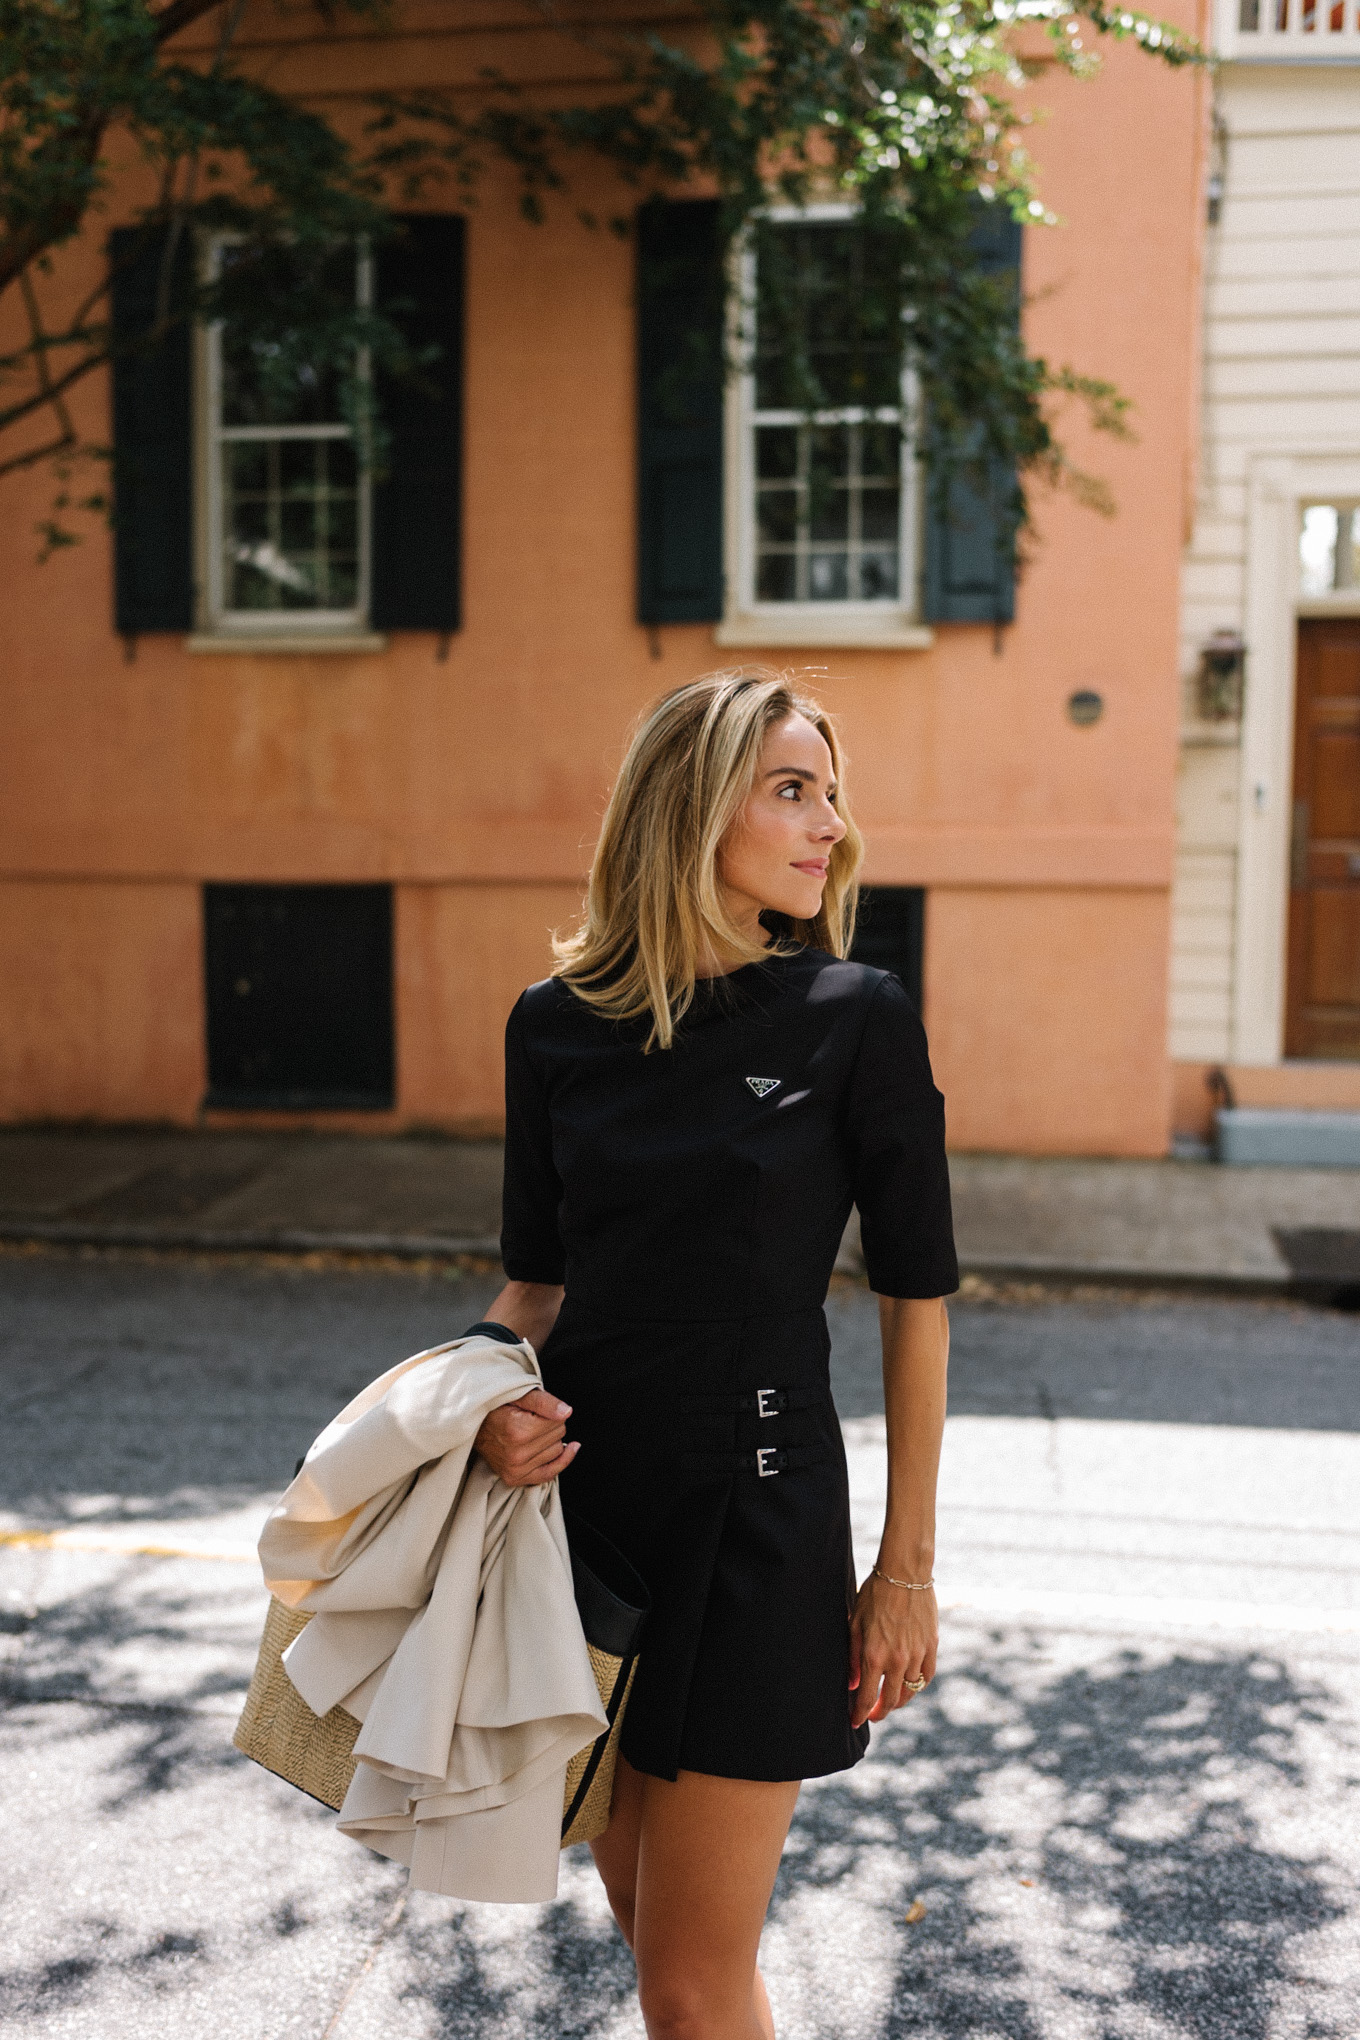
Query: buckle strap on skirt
{"points": [[760, 1402], [766, 1460]]}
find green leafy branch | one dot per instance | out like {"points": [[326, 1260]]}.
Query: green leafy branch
{"points": [[911, 110]]}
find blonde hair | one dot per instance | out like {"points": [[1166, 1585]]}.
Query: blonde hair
{"points": [[655, 903]]}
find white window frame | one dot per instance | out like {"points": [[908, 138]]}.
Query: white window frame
{"points": [[892, 622], [275, 629]]}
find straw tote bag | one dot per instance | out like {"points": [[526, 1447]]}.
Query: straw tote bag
{"points": [[316, 1753]]}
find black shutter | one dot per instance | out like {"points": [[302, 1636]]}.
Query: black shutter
{"points": [[969, 574], [152, 440], [680, 289], [418, 504]]}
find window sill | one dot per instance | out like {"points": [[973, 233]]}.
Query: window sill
{"points": [[890, 633], [240, 641]]}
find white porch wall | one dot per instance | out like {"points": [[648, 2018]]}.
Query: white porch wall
{"points": [[1281, 376]]}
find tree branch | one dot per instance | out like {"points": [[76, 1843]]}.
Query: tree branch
{"points": [[81, 145], [74, 336], [14, 412], [40, 362], [180, 14], [37, 453]]}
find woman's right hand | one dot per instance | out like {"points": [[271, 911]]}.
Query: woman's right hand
{"points": [[522, 1441]]}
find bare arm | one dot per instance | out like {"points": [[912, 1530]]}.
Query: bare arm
{"points": [[522, 1441], [895, 1633]]}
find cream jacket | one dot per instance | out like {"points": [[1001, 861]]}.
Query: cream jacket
{"points": [[444, 1619]]}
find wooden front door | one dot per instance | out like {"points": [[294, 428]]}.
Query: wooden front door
{"points": [[1323, 1011]]}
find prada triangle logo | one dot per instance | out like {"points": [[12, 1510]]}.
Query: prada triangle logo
{"points": [[762, 1086]]}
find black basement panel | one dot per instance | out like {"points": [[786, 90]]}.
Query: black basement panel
{"points": [[299, 996], [890, 932]]}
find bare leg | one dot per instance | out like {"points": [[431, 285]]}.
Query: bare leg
{"points": [[689, 1869]]}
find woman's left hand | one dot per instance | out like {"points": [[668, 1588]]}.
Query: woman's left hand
{"points": [[894, 1636]]}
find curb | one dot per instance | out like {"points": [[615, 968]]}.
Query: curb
{"points": [[400, 1246], [1118, 1274], [486, 1246]]}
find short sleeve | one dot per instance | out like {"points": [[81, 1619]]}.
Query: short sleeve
{"points": [[531, 1244], [900, 1174]]}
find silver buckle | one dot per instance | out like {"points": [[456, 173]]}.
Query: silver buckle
{"points": [[761, 1394], [764, 1452]]}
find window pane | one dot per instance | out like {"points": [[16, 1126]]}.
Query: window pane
{"points": [[268, 378], [776, 578], [776, 452], [829, 451], [878, 515], [1327, 549], [828, 576], [251, 467], [343, 511], [877, 576], [1317, 549], [881, 451], [828, 317], [828, 483], [777, 516], [829, 513], [290, 525]]}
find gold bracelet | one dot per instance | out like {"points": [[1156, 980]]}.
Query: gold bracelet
{"points": [[912, 1586]]}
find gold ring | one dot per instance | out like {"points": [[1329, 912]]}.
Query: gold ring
{"points": [[915, 1685]]}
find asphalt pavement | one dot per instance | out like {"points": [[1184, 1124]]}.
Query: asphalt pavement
{"points": [[1124, 1811]]}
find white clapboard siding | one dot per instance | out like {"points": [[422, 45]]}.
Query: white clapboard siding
{"points": [[1285, 162], [1311, 336], [1310, 423], [1198, 967], [1319, 215], [1201, 955], [1277, 297], [1220, 537], [1281, 375], [1303, 255], [1216, 581], [1204, 882]]}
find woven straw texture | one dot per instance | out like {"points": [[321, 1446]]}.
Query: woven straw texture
{"points": [[279, 1730], [592, 1816]]}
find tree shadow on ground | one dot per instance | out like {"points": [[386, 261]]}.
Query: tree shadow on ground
{"points": [[568, 1979], [47, 1991], [1136, 1793], [145, 1649]]}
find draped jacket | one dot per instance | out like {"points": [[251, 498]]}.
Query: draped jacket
{"points": [[443, 1619]]}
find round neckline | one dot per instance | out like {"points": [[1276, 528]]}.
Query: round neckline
{"points": [[726, 977]]}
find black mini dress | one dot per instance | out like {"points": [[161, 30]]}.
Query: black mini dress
{"points": [[692, 1201]]}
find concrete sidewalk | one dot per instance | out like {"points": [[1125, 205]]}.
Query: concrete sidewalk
{"points": [[1129, 1221]]}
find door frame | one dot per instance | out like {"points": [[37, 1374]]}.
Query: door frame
{"points": [[1277, 488]]}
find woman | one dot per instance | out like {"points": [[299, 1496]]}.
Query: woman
{"points": [[692, 1104]]}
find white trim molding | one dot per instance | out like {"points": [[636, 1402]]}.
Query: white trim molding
{"points": [[809, 630], [259, 643], [1278, 489]]}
